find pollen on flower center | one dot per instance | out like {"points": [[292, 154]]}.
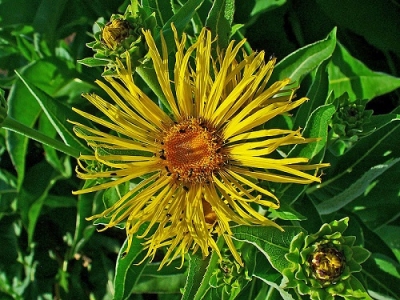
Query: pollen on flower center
{"points": [[192, 151]]}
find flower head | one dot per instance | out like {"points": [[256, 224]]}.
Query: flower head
{"points": [[198, 168], [323, 263]]}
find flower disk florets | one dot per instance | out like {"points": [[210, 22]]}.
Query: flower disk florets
{"points": [[192, 151], [327, 263]]}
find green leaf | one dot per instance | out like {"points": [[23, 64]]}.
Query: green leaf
{"points": [[380, 284], [286, 212], [180, 19], [58, 115], [23, 107], [220, 19], [63, 166], [262, 270], [318, 94], [93, 62], [168, 284], [316, 127], [9, 249], [47, 18], [375, 149], [272, 242], [168, 280], [196, 272], [370, 210], [162, 9], [355, 189], [302, 61], [379, 32], [378, 121], [391, 235], [262, 6], [85, 208], [347, 74], [128, 270], [33, 194]]}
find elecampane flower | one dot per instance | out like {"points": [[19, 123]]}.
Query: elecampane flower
{"points": [[200, 165]]}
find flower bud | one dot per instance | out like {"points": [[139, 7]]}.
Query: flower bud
{"points": [[323, 263], [120, 36]]}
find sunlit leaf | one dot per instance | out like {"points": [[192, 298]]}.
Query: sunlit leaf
{"points": [[180, 19], [272, 242], [301, 62], [220, 19], [128, 271], [196, 280], [348, 74], [58, 115]]}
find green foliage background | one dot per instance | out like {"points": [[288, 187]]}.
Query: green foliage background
{"points": [[49, 251]]}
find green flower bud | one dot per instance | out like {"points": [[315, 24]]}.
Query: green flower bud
{"points": [[121, 35], [350, 117], [230, 277], [323, 263]]}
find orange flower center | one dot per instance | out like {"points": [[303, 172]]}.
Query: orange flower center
{"points": [[192, 151]]}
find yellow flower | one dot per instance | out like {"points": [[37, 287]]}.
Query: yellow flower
{"points": [[199, 168]]}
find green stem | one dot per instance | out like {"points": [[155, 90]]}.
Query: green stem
{"points": [[149, 76], [13, 125]]}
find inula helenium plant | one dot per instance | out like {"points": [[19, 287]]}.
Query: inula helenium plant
{"points": [[199, 149]]}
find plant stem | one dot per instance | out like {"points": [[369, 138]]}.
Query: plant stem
{"points": [[13, 125]]}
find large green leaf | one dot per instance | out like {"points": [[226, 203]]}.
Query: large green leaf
{"points": [[60, 164], [261, 6], [168, 280], [317, 93], [128, 270], [220, 19], [380, 284], [23, 107], [162, 9], [180, 19], [316, 127], [356, 189], [373, 150], [391, 235], [379, 204], [301, 62], [259, 267], [196, 284], [272, 242], [347, 74], [374, 20], [58, 115]]}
